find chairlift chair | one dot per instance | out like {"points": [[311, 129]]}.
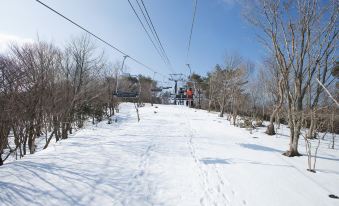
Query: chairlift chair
{"points": [[126, 94], [159, 89]]}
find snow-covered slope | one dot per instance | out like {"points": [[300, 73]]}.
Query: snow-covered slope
{"points": [[176, 156]]}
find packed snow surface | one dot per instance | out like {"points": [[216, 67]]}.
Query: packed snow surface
{"points": [[173, 156]]}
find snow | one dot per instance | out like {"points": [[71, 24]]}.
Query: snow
{"points": [[176, 156]]}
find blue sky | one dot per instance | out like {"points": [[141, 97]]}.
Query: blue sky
{"points": [[219, 28]]}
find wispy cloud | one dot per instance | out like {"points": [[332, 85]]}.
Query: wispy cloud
{"points": [[6, 39]]}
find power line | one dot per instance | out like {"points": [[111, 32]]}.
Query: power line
{"points": [[148, 35], [190, 37], [94, 35]]}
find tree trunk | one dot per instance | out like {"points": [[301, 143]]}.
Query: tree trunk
{"points": [[234, 118], [64, 131], [49, 140], [68, 128], [270, 128], [295, 126], [293, 150], [222, 111], [30, 139], [311, 134], [222, 107], [24, 146], [56, 127], [137, 110], [277, 120]]}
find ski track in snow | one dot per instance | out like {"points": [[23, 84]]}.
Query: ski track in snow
{"points": [[213, 191], [175, 157], [209, 191]]}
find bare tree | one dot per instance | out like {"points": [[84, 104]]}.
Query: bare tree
{"points": [[46, 90], [300, 34], [225, 83], [312, 145]]}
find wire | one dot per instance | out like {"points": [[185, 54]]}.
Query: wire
{"points": [[148, 35], [156, 33], [94, 35], [190, 37], [147, 20]]}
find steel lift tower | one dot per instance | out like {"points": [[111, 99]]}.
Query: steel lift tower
{"points": [[176, 78]]}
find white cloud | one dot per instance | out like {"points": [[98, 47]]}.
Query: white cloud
{"points": [[6, 39]]}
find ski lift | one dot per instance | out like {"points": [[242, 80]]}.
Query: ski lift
{"points": [[154, 88], [158, 89], [125, 93]]}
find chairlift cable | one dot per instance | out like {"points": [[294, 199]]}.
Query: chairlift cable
{"points": [[94, 35], [146, 31], [156, 33], [191, 31]]}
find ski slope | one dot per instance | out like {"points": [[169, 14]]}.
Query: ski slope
{"points": [[174, 156]]}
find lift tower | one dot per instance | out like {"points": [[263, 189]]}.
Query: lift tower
{"points": [[176, 78]]}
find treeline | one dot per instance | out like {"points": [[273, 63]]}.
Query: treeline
{"points": [[241, 91], [48, 91], [301, 40]]}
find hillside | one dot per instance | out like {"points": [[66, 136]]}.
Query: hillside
{"points": [[173, 156]]}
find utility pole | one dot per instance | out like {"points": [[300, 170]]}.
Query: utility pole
{"points": [[176, 78]]}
